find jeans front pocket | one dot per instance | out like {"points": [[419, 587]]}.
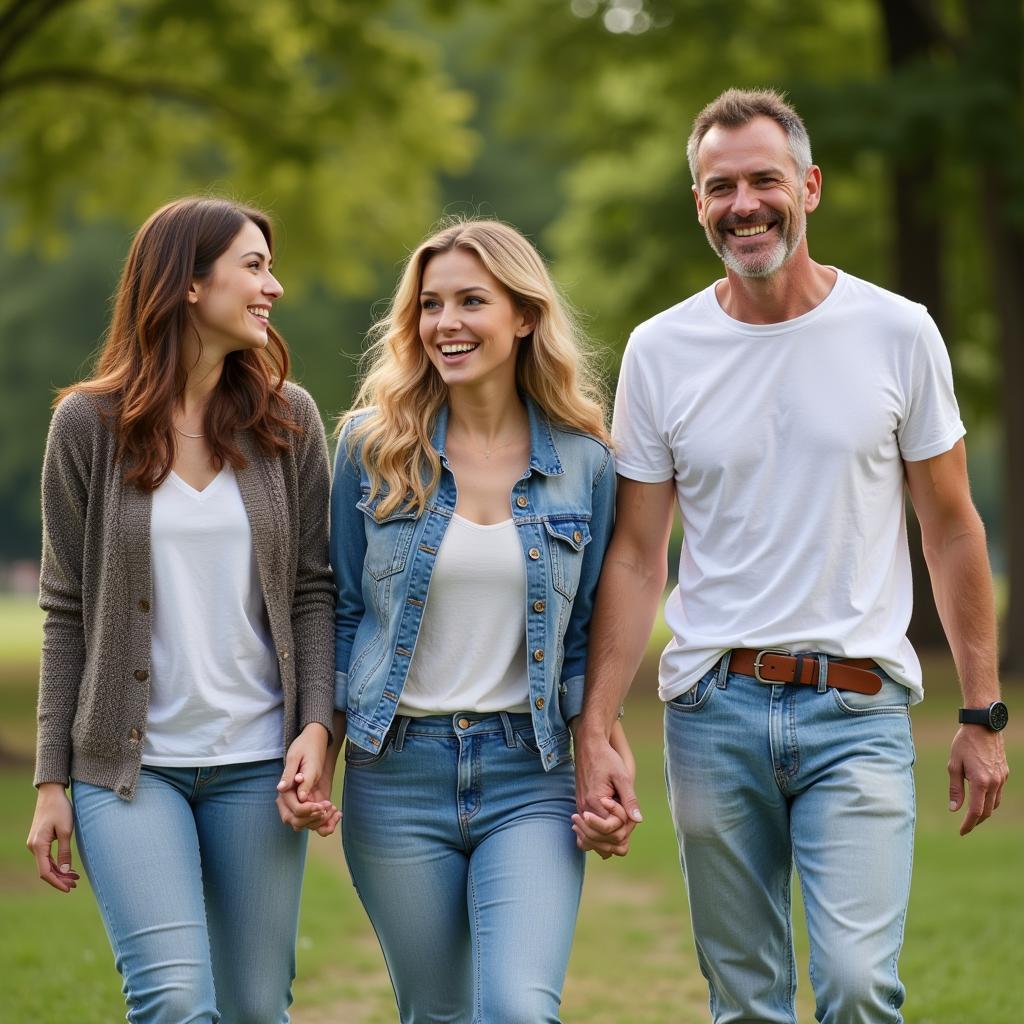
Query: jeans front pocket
{"points": [[697, 697], [359, 757], [892, 699]]}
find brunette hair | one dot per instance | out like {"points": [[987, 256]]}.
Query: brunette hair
{"points": [[139, 370], [738, 107], [401, 392]]}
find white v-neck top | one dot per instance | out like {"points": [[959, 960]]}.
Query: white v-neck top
{"points": [[471, 650], [215, 693]]}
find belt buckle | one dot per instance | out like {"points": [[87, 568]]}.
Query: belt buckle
{"points": [[757, 662]]}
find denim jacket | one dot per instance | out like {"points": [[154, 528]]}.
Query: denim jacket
{"points": [[563, 506]]}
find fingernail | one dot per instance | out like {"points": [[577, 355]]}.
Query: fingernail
{"points": [[65, 868], [637, 816], [952, 805]]}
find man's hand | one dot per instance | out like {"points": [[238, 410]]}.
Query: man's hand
{"points": [[977, 756], [602, 773]]}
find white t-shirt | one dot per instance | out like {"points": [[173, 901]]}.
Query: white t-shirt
{"points": [[786, 443], [471, 650], [216, 695]]}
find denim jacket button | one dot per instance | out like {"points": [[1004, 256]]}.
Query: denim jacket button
{"points": [[539, 703], [538, 655], [534, 553], [522, 501], [539, 606]]}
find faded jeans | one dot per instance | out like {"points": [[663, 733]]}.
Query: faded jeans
{"points": [[198, 883], [461, 850], [762, 777]]}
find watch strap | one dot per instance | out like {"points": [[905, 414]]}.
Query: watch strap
{"points": [[973, 716]]}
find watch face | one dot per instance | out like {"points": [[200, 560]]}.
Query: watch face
{"points": [[998, 715]]}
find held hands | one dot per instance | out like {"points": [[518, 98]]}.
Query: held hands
{"points": [[607, 808], [52, 822], [304, 792], [977, 756]]}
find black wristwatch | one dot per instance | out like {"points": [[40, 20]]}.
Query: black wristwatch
{"points": [[994, 717]]}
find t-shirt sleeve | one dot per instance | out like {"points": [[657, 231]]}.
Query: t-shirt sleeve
{"points": [[931, 422], [641, 451]]}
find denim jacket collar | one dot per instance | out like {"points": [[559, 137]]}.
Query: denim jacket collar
{"points": [[543, 453]]}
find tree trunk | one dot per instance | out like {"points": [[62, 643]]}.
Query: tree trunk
{"points": [[918, 265], [997, 36]]}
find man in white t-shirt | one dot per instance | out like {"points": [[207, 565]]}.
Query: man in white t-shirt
{"points": [[785, 407]]}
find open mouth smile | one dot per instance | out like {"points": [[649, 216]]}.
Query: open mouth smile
{"points": [[454, 349], [262, 313], [750, 230]]}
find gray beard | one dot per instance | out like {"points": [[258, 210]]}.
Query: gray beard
{"points": [[764, 265]]}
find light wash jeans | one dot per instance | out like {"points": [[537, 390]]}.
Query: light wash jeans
{"points": [[198, 883], [461, 850], [761, 776]]}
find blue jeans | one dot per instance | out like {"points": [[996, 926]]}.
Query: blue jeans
{"points": [[461, 850], [764, 776], [198, 883]]}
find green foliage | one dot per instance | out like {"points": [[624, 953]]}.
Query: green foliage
{"points": [[321, 111]]}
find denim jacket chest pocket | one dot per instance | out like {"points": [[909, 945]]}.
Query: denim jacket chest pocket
{"points": [[568, 535], [388, 540]]}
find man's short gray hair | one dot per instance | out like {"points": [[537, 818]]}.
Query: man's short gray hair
{"points": [[737, 107]]}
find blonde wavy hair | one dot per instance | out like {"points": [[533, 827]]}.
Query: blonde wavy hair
{"points": [[392, 418]]}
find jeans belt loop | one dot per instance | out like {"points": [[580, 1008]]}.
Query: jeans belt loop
{"points": [[723, 671], [400, 726], [510, 735], [822, 673]]}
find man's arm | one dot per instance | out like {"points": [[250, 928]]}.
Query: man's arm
{"points": [[628, 596], [953, 538]]}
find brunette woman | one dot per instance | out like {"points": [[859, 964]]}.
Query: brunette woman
{"points": [[472, 503], [187, 642]]}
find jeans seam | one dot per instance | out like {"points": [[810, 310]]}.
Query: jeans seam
{"points": [[477, 999]]}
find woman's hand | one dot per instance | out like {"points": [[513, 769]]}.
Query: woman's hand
{"points": [[53, 822], [301, 800], [608, 835]]}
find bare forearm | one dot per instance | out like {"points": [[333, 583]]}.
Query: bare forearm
{"points": [[962, 584], [628, 598]]}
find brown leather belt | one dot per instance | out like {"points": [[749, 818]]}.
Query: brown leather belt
{"points": [[772, 666]]}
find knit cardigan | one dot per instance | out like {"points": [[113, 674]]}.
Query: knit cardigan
{"points": [[96, 589]]}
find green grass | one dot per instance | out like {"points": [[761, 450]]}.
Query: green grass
{"points": [[633, 960]]}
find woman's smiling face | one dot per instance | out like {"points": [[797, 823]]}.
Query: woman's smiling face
{"points": [[469, 322], [231, 307]]}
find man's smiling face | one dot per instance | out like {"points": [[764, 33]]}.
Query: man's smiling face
{"points": [[752, 200]]}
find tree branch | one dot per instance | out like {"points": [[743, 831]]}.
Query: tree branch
{"points": [[13, 33], [133, 88]]}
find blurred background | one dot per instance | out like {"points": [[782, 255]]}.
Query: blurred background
{"points": [[358, 125]]}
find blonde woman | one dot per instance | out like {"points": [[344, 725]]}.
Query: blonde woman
{"points": [[472, 504]]}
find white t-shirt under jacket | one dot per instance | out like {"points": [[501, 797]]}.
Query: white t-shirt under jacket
{"points": [[786, 443], [471, 650]]}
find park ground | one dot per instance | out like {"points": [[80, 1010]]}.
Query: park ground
{"points": [[633, 961]]}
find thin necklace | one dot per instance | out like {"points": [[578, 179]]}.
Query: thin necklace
{"points": [[488, 452], [183, 434]]}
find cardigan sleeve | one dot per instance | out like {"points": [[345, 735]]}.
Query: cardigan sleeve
{"points": [[313, 599], [67, 467]]}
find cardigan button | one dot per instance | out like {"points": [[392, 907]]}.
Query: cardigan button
{"points": [[133, 736], [534, 553], [124, 791], [522, 501], [141, 674], [143, 605], [284, 655]]}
